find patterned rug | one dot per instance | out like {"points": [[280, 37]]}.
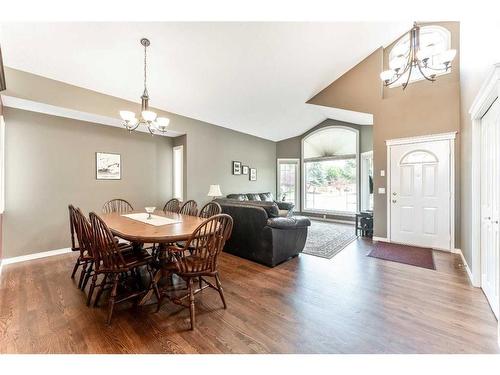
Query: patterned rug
{"points": [[326, 239]]}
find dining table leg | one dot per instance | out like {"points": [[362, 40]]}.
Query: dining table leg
{"points": [[162, 254]]}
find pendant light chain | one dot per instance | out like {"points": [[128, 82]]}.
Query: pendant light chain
{"points": [[148, 118], [145, 69]]}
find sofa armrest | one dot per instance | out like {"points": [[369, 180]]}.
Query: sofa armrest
{"points": [[285, 205], [288, 222]]}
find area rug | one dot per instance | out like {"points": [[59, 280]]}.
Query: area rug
{"points": [[414, 256], [326, 239]]}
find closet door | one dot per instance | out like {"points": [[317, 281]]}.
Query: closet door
{"points": [[490, 204]]}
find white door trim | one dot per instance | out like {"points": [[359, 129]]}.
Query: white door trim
{"points": [[489, 91], [419, 139], [364, 179]]}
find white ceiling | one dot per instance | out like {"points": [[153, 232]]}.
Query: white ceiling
{"points": [[250, 77]]}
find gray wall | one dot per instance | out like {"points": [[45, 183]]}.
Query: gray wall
{"points": [[210, 152], [291, 147], [50, 162]]}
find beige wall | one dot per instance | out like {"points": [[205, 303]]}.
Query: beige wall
{"points": [[479, 51], [423, 108], [50, 162]]}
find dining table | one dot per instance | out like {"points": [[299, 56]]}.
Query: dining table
{"points": [[160, 228]]}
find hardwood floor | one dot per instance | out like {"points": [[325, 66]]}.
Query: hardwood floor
{"points": [[349, 304]]}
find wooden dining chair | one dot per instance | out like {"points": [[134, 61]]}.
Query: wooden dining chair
{"points": [[117, 205], [112, 262], [79, 244], [210, 209], [206, 244], [173, 205], [189, 208]]}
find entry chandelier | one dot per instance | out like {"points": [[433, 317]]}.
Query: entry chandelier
{"points": [[149, 118], [417, 58]]}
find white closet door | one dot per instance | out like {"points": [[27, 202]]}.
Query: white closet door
{"points": [[420, 194], [490, 205]]}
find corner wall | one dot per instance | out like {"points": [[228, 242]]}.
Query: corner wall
{"points": [[423, 108], [291, 148], [479, 45]]}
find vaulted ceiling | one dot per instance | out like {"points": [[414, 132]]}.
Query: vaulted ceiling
{"points": [[250, 77]]}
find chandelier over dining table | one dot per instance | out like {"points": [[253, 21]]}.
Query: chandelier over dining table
{"points": [[146, 117], [417, 59]]}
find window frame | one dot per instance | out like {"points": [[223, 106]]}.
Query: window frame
{"points": [[180, 151], [303, 177], [297, 179]]}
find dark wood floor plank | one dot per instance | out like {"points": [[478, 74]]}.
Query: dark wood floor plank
{"points": [[349, 304]]}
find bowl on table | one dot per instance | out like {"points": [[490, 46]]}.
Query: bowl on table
{"points": [[150, 210]]}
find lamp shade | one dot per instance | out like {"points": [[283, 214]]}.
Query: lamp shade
{"points": [[214, 191]]}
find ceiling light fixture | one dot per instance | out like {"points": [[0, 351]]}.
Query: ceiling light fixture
{"points": [[149, 118], [417, 58]]}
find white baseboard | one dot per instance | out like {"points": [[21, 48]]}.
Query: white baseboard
{"points": [[24, 258], [381, 239], [466, 266]]}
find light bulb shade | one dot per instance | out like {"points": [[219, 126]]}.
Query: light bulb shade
{"points": [[127, 115], [387, 75], [162, 123], [447, 56], [214, 191], [424, 53], [148, 116]]}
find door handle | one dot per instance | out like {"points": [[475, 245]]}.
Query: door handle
{"points": [[487, 218]]}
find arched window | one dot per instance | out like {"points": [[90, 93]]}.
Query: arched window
{"points": [[433, 37], [419, 157], [330, 170]]}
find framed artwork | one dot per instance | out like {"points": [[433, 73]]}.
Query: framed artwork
{"points": [[244, 169], [236, 167], [108, 166], [253, 174]]}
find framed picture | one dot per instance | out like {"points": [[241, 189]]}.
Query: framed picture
{"points": [[236, 167], [253, 174], [244, 169], [108, 166]]}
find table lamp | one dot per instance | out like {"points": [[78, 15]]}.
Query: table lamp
{"points": [[214, 191]]}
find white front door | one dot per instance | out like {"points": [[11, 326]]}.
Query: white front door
{"points": [[420, 194], [490, 183]]}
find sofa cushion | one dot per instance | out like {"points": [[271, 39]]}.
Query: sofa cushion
{"points": [[239, 197], [253, 197], [267, 197], [285, 206], [289, 222]]}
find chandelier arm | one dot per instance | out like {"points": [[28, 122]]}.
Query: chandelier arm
{"points": [[438, 69], [408, 79], [131, 129], [149, 126], [424, 75]]}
